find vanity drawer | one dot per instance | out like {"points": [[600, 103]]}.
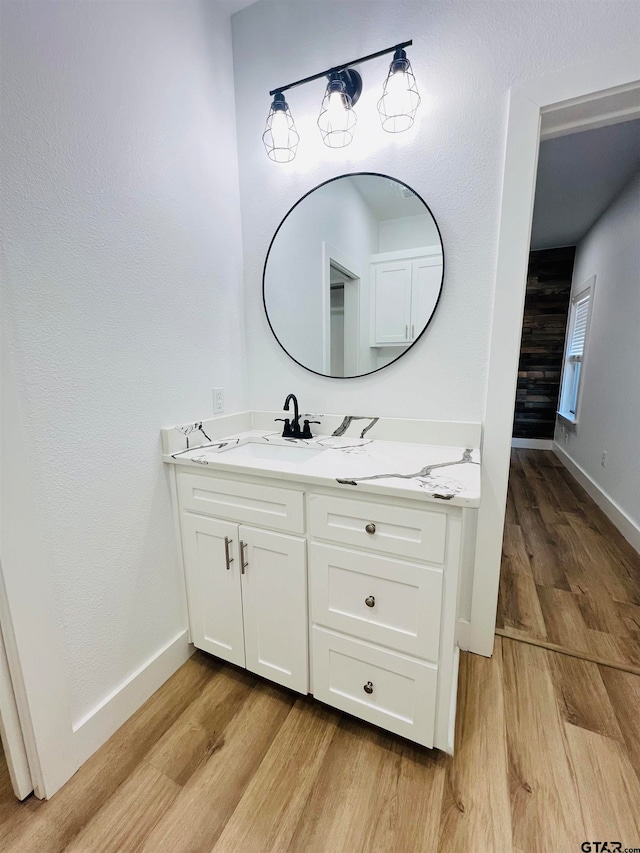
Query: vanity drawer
{"points": [[377, 599], [414, 533], [389, 690], [253, 503]]}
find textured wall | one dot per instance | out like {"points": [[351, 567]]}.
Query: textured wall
{"points": [[544, 327], [466, 55], [122, 296], [609, 407]]}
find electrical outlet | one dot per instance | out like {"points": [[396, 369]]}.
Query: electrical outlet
{"points": [[603, 459], [218, 401]]}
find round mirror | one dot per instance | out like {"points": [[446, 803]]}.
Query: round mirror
{"points": [[353, 275]]}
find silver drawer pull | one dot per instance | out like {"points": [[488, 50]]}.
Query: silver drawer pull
{"points": [[368, 688], [243, 564], [370, 528], [370, 601], [227, 555]]}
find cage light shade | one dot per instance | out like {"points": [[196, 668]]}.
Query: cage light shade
{"points": [[280, 137], [400, 98], [337, 118]]}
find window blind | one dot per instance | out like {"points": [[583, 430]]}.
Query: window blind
{"points": [[576, 344]]}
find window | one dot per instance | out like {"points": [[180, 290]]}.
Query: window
{"points": [[574, 352]]}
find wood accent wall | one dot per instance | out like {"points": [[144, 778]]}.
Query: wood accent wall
{"points": [[543, 331]]}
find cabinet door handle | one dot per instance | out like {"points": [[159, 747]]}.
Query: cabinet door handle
{"points": [[406, 332], [413, 331], [243, 564], [368, 688], [370, 528], [370, 601], [227, 555]]}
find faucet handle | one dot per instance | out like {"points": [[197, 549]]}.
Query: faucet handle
{"points": [[286, 432], [306, 431]]}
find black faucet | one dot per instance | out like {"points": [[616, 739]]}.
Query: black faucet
{"points": [[295, 431]]}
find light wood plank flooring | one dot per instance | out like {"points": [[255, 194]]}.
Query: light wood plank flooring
{"points": [[569, 579], [548, 756]]}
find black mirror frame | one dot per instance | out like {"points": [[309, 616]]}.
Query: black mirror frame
{"points": [[266, 261]]}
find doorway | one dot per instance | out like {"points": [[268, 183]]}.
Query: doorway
{"points": [[344, 300], [569, 580], [590, 95], [341, 281]]}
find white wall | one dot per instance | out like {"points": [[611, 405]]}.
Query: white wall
{"points": [[122, 300], [408, 232], [609, 414], [465, 56]]}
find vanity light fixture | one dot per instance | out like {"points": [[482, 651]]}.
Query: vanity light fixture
{"points": [[337, 119]]}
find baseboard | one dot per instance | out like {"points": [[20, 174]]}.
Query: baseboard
{"points": [[611, 509], [533, 443], [99, 724]]}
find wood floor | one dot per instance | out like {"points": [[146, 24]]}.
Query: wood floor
{"points": [[548, 756], [569, 579], [547, 744]]}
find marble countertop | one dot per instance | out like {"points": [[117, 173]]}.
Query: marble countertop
{"points": [[428, 472]]}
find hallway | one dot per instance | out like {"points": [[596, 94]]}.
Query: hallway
{"points": [[569, 580]]}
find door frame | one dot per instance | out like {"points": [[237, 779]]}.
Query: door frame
{"points": [[528, 103], [32, 636], [15, 752], [332, 256]]}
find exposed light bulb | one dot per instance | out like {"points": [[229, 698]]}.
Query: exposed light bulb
{"points": [[337, 117], [400, 98], [280, 129], [280, 137], [336, 107]]}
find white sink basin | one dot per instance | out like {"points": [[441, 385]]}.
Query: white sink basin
{"points": [[296, 453]]}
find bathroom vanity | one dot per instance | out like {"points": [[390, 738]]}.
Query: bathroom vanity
{"points": [[338, 565]]}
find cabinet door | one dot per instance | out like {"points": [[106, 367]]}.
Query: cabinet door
{"points": [[426, 278], [274, 594], [390, 303], [213, 586]]}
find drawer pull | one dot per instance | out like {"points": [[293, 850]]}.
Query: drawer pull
{"points": [[370, 528], [370, 601], [227, 556], [243, 564], [368, 688]]}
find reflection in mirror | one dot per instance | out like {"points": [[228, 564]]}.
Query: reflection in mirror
{"points": [[353, 275]]}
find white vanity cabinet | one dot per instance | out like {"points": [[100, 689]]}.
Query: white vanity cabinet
{"points": [[351, 598], [404, 291], [246, 585]]}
